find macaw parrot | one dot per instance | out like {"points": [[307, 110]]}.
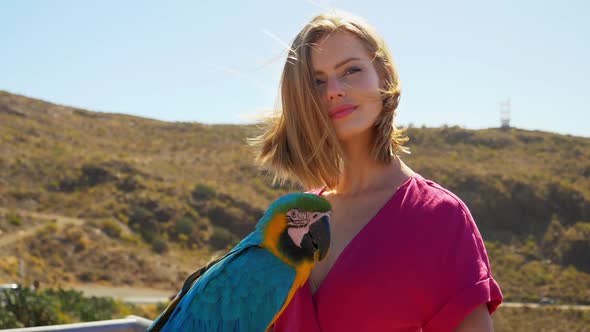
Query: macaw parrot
{"points": [[250, 286]]}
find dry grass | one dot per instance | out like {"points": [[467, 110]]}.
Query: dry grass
{"points": [[111, 169], [541, 320]]}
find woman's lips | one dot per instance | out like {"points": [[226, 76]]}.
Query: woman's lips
{"points": [[341, 111]]}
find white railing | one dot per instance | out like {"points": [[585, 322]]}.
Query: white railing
{"points": [[129, 324]]}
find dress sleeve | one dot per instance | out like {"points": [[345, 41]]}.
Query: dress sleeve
{"points": [[465, 277]]}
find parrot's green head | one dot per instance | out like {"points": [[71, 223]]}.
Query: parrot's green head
{"points": [[296, 228]]}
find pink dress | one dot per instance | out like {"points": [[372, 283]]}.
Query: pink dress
{"points": [[419, 265]]}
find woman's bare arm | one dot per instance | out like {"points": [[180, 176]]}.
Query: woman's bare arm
{"points": [[478, 320]]}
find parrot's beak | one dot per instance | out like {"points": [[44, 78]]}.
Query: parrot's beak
{"points": [[319, 234]]}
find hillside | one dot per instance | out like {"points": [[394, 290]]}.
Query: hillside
{"points": [[152, 194]]}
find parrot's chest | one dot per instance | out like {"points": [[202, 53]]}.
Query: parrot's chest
{"points": [[349, 217]]}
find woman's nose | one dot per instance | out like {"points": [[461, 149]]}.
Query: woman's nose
{"points": [[334, 89]]}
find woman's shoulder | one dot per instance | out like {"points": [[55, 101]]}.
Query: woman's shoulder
{"points": [[437, 213], [425, 196]]}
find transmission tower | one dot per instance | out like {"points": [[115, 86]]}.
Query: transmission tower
{"points": [[505, 114]]}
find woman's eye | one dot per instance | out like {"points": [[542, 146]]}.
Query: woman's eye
{"points": [[352, 70], [319, 82]]}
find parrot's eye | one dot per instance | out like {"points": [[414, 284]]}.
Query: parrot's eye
{"points": [[292, 214]]}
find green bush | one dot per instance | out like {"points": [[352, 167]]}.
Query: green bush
{"points": [[221, 238], [576, 246], [26, 308], [9, 320], [75, 305], [23, 308], [185, 226], [143, 221], [111, 228], [203, 192], [15, 219], [139, 215], [159, 245], [129, 183]]}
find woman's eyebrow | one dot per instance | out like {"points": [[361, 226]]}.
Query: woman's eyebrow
{"points": [[339, 64]]}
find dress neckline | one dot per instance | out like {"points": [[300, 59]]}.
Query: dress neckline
{"points": [[363, 230]]}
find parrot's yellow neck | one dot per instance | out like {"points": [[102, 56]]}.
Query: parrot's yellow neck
{"points": [[272, 235], [303, 272]]}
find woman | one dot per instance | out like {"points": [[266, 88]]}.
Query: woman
{"points": [[405, 253]]}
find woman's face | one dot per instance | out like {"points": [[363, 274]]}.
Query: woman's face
{"points": [[348, 83]]}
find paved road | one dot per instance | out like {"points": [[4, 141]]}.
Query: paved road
{"points": [[537, 305], [127, 294]]}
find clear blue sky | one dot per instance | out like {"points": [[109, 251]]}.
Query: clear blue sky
{"points": [[220, 61]]}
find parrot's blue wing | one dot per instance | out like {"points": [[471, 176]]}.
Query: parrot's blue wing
{"points": [[253, 239], [243, 292]]}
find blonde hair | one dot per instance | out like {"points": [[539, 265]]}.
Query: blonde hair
{"points": [[300, 142]]}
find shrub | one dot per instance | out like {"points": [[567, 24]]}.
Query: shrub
{"points": [[15, 219], [131, 238], [129, 183], [159, 245], [142, 220], [222, 238], [26, 309], [203, 192], [49, 228], [184, 226], [576, 246], [551, 239], [74, 304], [111, 228], [139, 215], [9, 320]]}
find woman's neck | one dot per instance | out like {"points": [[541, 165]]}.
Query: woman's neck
{"points": [[363, 174]]}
